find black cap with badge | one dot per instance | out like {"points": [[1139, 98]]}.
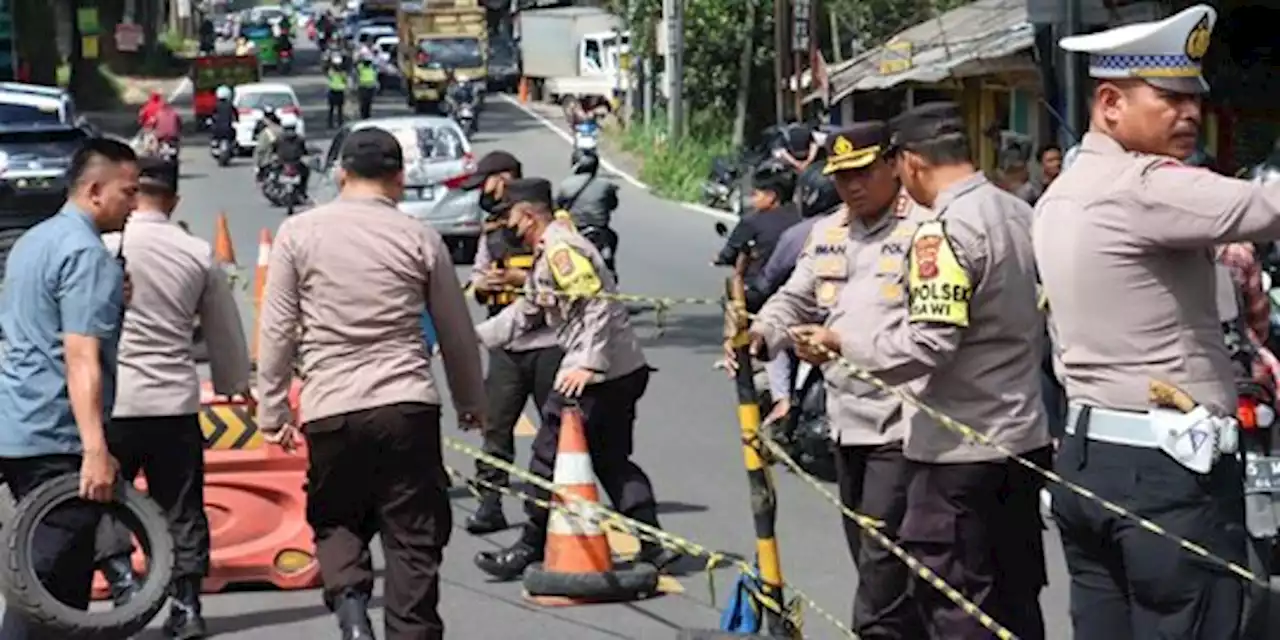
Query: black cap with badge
{"points": [[492, 163], [857, 146], [372, 153]]}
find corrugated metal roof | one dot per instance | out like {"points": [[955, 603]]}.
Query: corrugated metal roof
{"points": [[983, 30]]}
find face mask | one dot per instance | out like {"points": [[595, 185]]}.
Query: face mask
{"points": [[511, 237], [488, 202]]}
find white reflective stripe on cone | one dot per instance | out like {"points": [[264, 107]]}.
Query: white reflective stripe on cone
{"points": [[572, 469], [575, 519]]}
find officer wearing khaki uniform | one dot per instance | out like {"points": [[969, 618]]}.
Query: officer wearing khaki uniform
{"points": [[1124, 239], [346, 287], [603, 369], [850, 278], [155, 426], [973, 332]]}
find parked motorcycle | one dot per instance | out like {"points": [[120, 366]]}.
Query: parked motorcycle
{"points": [[222, 150]]}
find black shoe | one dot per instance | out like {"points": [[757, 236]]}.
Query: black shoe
{"points": [[488, 518], [657, 555], [184, 621], [352, 611], [122, 582], [508, 564]]}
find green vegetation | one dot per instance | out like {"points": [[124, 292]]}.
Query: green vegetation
{"points": [[716, 36]]}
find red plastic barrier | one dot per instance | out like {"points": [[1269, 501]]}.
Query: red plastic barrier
{"points": [[256, 506]]}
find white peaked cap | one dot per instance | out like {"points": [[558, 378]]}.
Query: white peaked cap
{"points": [[1167, 53]]}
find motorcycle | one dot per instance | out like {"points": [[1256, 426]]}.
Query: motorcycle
{"points": [[222, 150], [606, 241], [283, 187], [465, 116], [286, 61], [586, 138], [168, 150]]}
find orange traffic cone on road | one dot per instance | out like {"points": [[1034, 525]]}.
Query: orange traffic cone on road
{"points": [[260, 287], [223, 251], [524, 90], [579, 564]]}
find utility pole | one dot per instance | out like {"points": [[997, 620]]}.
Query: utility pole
{"points": [[673, 12], [800, 13], [779, 61], [1071, 70]]}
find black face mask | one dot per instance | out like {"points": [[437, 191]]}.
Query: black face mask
{"points": [[489, 203], [511, 237]]}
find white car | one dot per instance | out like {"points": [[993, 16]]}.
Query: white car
{"points": [[251, 99]]}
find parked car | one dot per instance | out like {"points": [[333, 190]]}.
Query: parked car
{"points": [[39, 132], [252, 99], [438, 158]]}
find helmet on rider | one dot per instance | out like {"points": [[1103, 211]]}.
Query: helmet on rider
{"points": [[586, 162], [223, 92], [291, 125], [816, 192]]}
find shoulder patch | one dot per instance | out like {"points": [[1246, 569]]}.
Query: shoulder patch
{"points": [[573, 272], [940, 288]]}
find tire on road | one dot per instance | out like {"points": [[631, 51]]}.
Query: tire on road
{"points": [[623, 584], [23, 590]]}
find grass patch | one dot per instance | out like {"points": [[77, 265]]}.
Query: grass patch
{"points": [[678, 170]]}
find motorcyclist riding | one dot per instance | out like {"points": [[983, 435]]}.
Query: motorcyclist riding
{"points": [[225, 116], [290, 150], [267, 131], [591, 201], [457, 91], [162, 125]]}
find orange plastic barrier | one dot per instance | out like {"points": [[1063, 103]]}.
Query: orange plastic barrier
{"points": [[255, 503]]}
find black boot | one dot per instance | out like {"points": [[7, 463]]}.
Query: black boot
{"points": [[508, 564], [122, 582], [352, 610], [185, 621], [489, 517]]}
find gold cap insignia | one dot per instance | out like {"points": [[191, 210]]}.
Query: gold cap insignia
{"points": [[1198, 39], [842, 146]]}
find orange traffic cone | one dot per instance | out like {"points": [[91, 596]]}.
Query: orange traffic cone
{"points": [[524, 90], [260, 286], [579, 564], [223, 251]]}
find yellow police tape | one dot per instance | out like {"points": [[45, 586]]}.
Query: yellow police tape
{"points": [[604, 516]]}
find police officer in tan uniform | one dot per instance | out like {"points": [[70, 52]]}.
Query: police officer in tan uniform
{"points": [[346, 286], [155, 426], [604, 370], [849, 278], [527, 367], [1124, 240], [973, 331]]}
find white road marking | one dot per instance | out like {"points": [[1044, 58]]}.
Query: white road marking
{"points": [[611, 167]]}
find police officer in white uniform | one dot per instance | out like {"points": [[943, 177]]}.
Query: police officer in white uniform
{"points": [[1124, 241]]}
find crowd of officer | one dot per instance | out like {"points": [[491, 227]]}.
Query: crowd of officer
{"points": [[924, 274]]}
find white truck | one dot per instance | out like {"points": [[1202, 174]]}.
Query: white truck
{"points": [[572, 52]]}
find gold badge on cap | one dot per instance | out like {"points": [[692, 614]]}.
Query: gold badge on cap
{"points": [[842, 146], [1198, 39]]}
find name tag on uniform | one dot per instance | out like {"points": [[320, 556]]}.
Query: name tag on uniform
{"points": [[831, 266]]}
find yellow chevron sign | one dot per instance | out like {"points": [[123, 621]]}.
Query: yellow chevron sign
{"points": [[229, 426]]}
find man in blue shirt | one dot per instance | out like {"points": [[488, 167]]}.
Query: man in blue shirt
{"points": [[63, 301]]}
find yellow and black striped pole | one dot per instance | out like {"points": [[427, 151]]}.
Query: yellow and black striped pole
{"points": [[777, 622]]}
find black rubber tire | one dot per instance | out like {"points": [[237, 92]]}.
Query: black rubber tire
{"points": [[23, 590], [634, 582]]}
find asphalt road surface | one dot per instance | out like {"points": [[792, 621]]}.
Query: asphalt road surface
{"points": [[686, 438]]}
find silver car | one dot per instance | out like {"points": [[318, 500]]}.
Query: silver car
{"points": [[437, 159]]}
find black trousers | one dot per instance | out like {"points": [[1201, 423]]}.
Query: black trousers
{"points": [[380, 471], [609, 419], [873, 481], [337, 101], [512, 378], [365, 97], [978, 526], [63, 543], [170, 452], [1129, 583]]}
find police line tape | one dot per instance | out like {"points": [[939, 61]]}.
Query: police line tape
{"points": [[973, 435], [601, 515]]}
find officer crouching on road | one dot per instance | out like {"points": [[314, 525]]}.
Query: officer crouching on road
{"points": [[1124, 240], [973, 334], [850, 273], [358, 274], [155, 426], [603, 370], [522, 369]]}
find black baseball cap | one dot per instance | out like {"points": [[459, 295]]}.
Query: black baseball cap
{"points": [[158, 173], [372, 153], [533, 190], [926, 122], [492, 163]]}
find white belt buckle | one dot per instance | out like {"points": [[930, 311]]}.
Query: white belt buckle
{"points": [[1192, 439]]}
